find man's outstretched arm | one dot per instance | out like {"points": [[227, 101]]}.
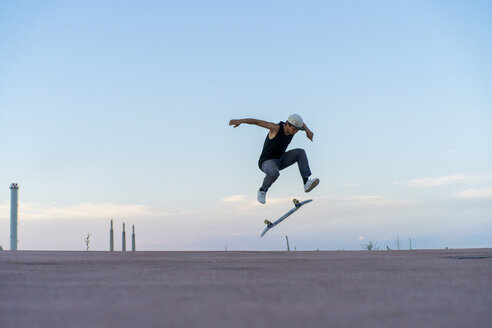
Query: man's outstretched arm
{"points": [[264, 124]]}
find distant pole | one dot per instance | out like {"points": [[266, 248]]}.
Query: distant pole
{"points": [[111, 238], [123, 239], [288, 247], [133, 239], [14, 187]]}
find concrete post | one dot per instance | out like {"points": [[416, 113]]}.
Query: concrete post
{"points": [[123, 239], [133, 239], [111, 238]]}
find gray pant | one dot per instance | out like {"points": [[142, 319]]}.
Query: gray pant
{"points": [[271, 167]]}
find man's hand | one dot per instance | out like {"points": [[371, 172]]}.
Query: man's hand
{"points": [[309, 134], [236, 123]]}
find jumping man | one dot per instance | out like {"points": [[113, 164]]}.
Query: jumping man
{"points": [[274, 158]]}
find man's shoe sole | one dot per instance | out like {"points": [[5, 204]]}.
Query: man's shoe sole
{"points": [[313, 185]]}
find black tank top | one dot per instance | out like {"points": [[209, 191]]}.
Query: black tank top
{"points": [[274, 148]]}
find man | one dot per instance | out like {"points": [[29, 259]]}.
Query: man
{"points": [[274, 158]]}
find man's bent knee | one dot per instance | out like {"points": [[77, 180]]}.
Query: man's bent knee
{"points": [[300, 151], [273, 174]]}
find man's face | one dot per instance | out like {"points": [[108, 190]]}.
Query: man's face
{"points": [[291, 129]]}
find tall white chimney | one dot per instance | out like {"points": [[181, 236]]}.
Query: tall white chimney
{"points": [[14, 187]]}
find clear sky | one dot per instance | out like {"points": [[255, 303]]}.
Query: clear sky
{"points": [[120, 109]]}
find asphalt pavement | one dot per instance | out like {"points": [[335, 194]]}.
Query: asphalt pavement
{"points": [[418, 288]]}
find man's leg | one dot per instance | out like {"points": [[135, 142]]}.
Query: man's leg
{"points": [[271, 169], [298, 156]]}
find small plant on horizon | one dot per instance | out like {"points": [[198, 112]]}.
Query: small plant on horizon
{"points": [[370, 246], [387, 248], [87, 240], [1, 248], [410, 243], [398, 244]]}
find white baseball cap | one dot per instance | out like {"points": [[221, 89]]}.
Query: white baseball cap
{"points": [[296, 121]]}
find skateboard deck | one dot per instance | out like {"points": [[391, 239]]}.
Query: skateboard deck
{"points": [[297, 204]]}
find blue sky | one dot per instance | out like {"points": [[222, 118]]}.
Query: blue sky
{"points": [[119, 110]]}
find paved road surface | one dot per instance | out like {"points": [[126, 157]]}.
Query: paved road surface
{"points": [[428, 288]]}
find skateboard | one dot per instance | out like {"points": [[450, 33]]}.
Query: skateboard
{"points": [[297, 206]]}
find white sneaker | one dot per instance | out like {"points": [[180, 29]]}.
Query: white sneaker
{"points": [[310, 184], [261, 196]]}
